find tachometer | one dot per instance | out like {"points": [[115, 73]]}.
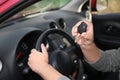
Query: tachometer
{"points": [[23, 51]]}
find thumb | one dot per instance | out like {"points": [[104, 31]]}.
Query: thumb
{"points": [[44, 50]]}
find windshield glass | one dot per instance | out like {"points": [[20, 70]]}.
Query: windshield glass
{"points": [[40, 7]]}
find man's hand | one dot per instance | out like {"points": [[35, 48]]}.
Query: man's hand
{"points": [[86, 42], [38, 60], [86, 38]]}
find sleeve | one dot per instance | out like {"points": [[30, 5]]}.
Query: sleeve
{"points": [[109, 61], [63, 78]]}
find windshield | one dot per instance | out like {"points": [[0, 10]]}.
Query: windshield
{"points": [[40, 7]]}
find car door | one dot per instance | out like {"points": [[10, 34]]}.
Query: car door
{"points": [[107, 31]]}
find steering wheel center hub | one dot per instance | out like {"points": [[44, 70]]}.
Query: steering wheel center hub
{"points": [[61, 61]]}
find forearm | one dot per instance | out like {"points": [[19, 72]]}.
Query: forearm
{"points": [[109, 61], [90, 52], [49, 73], [102, 60]]}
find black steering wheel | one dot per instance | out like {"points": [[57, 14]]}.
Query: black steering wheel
{"points": [[67, 60]]}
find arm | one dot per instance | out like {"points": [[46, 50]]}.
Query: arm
{"points": [[38, 62], [86, 42], [109, 61], [101, 60]]}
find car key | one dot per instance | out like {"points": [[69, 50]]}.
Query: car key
{"points": [[82, 27]]}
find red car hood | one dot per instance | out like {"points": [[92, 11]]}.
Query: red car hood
{"points": [[9, 7]]}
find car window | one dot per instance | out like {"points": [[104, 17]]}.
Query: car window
{"points": [[113, 6], [41, 6]]}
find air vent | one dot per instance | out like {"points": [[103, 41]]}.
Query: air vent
{"points": [[62, 23], [53, 25]]}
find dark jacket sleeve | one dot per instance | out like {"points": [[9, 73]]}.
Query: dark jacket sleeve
{"points": [[109, 61]]}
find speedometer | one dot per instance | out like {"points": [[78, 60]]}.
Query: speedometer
{"points": [[23, 48], [22, 54], [27, 43]]}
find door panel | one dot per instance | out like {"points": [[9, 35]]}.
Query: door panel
{"points": [[107, 36], [107, 30]]}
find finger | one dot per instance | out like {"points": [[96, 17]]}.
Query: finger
{"points": [[75, 29], [28, 59], [33, 50], [77, 38], [84, 35], [28, 64], [44, 50]]}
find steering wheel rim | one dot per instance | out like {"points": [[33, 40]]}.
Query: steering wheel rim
{"points": [[44, 35]]}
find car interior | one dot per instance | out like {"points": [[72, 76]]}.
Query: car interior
{"points": [[53, 28]]}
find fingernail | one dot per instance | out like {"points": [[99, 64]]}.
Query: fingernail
{"points": [[41, 44]]}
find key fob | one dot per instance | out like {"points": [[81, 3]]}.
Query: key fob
{"points": [[82, 27]]}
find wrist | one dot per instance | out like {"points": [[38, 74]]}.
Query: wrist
{"points": [[90, 52], [87, 46], [45, 71], [42, 67]]}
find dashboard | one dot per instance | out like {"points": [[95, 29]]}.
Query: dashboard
{"points": [[19, 36]]}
